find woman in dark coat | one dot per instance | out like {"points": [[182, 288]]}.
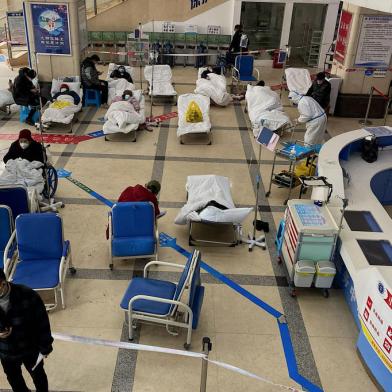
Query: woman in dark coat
{"points": [[26, 148]]}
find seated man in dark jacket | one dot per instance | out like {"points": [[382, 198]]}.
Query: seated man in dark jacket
{"points": [[26, 148], [320, 90], [90, 77], [121, 73], [25, 93], [24, 334], [64, 90]]}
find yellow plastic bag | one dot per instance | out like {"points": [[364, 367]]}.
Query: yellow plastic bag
{"points": [[305, 168], [193, 113], [60, 105]]}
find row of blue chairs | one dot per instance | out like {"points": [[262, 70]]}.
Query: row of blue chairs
{"points": [[34, 253]]}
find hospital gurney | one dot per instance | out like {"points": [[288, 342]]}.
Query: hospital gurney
{"points": [[215, 87], [298, 82], [118, 86], [211, 212], [200, 128], [293, 152], [65, 116], [119, 119], [6, 100], [159, 78]]}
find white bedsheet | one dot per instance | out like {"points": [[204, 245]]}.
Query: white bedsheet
{"points": [[298, 82], [64, 115], [122, 117], [185, 127], [214, 88], [117, 87], [203, 189], [22, 172], [161, 83]]}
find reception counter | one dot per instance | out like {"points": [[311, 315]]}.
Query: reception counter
{"points": [[364, 256]]}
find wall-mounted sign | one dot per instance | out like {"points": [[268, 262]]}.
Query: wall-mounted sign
{"points": [[375, 41], [168, 27], [342, 38], [51, 29], [213, 29], [16, 27], [197, 3], [369, 72]]}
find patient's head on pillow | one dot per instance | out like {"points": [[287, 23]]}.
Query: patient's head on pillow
{"points": [[204, 74], [261, 83], [64, 88], [126, 95]]}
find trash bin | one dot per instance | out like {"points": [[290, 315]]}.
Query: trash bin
{"points": [[304, 273], [325, 274]]}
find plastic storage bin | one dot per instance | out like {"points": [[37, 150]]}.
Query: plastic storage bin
{"points": [[325, 274], [304, 273]]}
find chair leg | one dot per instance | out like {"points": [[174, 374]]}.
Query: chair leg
{"points": [[130, 329], [62, 297], [187, 345]]}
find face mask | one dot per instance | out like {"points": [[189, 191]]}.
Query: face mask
{"points": [[63, 90], [122, 70], [24, 145], [126, 97]]}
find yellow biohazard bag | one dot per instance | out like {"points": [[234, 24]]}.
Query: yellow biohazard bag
{"points": [[193, 113], [306, 167]]}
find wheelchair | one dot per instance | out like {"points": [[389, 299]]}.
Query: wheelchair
{"points": [[51, 181]]}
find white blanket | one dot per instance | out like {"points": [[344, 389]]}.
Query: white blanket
{"points": [[185, 127], [298, 82], [214, 88], [22, 172], [159, 83], [203, 189], [6, 98], [64, 115], [122, 117], [117, 87]]}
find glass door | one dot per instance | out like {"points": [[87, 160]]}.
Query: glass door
{"points": [[262, 22]]}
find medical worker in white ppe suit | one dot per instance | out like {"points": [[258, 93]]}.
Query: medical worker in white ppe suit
{"points": [[315, 119]]}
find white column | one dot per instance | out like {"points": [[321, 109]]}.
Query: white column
{"points": [[328, 32], [288, 13]]}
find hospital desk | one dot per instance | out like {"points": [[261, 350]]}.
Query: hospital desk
{"points": [[364, 257]]}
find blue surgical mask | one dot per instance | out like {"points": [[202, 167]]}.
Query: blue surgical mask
{"points": [[126, 97]]}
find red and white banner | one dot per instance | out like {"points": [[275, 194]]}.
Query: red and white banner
{"points": [[343, 35]]}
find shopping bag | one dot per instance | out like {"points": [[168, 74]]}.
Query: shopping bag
{"points": [[193, 113]]}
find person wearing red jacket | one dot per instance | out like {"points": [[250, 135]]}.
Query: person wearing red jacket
{"points": [[139, 192]]}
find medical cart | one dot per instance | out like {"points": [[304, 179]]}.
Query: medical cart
{"points": [[293, 151], [308, 245]]}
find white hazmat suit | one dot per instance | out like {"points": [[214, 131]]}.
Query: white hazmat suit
{"points": [[315, 119]]}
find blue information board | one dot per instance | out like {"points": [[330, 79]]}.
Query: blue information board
{"points": [[51, 29]]}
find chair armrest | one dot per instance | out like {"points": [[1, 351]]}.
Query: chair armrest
{"points": [[162, 300], [66, 246], [235, 71], [164, 263], [258, 73], [7, 251]]}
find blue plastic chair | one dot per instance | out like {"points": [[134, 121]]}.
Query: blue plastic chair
{"points": [[24, 112], [160, 301], [43, 255], [133, 231], [91, 97], [16, 197], [7, 246], [243, 69]]}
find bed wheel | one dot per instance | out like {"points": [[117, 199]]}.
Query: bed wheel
{"points": [[181, 142], [134, 141], [267, 194], [209, 144], [72, 270], [106, 139], [111, 267]]}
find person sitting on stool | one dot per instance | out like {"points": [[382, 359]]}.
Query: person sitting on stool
{"points": [[90, 77], [26, 148], [26, 94]]}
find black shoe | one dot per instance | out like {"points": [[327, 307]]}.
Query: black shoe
{"points": [[29, 121]]}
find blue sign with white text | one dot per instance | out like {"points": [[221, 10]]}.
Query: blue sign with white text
{"points": [[51, 29]]}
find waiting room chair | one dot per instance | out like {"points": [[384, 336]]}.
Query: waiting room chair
{"points": [[43, 255], [91, 97], [7, 247], [163, 302], [243, 69], [16, 197], [133, 233]]}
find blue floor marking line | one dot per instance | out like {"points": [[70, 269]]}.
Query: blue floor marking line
{"points": [[166, 241]]}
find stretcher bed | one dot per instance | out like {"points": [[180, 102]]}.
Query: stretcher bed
{"points": [[62, 112], [298, 82], [159, 78], [186, 129], [211, 209], [265, 109], [121, 117], [214, 88], [6, 100], [118, 86]]}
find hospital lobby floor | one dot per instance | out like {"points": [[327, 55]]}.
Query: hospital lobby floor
{"points": [[322, 330]]}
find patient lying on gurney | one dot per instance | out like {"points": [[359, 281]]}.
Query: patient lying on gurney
{"points": [[121, 73], [64, 105]]}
